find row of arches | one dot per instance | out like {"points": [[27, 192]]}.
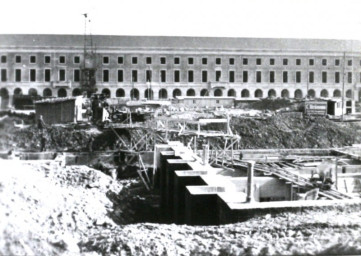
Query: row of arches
{"points": [[298, 94], [163, 93]]}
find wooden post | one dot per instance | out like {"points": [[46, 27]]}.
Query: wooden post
{"points": [[250, 173]]}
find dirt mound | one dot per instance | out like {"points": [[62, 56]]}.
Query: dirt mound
{"points": [[273, 104], [292, 130], [310, 232]]}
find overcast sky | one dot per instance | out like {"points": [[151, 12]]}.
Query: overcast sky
{"points": [[338, 19]]}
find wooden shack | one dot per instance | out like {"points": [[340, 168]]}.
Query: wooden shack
{"points": [[59, 110], [203, 101]]}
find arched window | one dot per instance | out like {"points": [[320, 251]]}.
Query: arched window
{"points": [[258, 93], [231, 93], [218, 93], [148, 94], [324, 93], [119, 93], [33, 92], [191, 92], [106, 93], [204, 92], [271, 93], [47, 92], [76, 92], [285, 94], [298, 94], [245, 93], [134, 94], [177, 92], [163, 94], [311, 93]]}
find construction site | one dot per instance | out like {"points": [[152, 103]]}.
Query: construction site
{"points": [[167, 178]]}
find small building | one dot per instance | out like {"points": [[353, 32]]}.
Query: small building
{"points": [[60, 110], [203, 101], [331, 107]]}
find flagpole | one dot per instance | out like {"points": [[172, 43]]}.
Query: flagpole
{"points": [[343, 84]]}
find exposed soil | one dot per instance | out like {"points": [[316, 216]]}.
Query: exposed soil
{"points": [[292, 130], [46, 209]]}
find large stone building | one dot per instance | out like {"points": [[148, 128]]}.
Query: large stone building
{"points": [[164, 67]]}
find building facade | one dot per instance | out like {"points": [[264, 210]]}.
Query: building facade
{"points": [[165, 67]]}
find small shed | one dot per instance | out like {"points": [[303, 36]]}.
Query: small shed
{"points": [[203, 101], [59, 110]]}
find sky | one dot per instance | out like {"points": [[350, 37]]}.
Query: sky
{"points": [[329, 19]]}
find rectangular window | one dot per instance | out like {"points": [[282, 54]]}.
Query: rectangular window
{"points": [[163, 60], [324, 62], [120, 60], [47, 75], [231, 61], [190, 76], [218, 75], [163, 76], [190, 61], [76, 59], [18, 75], [4, 75], [311, 77], [62, 59], [298, 76], [324, 77], [148, 60], [62, 75], [311, 62], [337, 77], [134, 60], [3, 59], [271, 76], [47, 59], [204, 61], [76, 75], [258, 76], [337, 62], [148, 75], [18, 59], [349, 62], [258, 61], [204, 76], [245, 61], [349, 77], [32, 59], [231, 76], [218, 61], [105, 75], [272, 61], [120, 75], [245, 77], [135, 76], [285, 62], [298, 62], [105, 60], [176, 76], [32, 75], [176, 60], [285, 76]]}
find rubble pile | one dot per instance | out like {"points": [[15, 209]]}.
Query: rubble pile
{"points": [[46, 209], [285, 130], [310, 232]]}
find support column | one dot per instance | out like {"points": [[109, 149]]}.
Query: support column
{"points": [[250, 185], [205, 154]]}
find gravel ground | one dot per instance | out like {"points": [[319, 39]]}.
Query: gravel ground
{"points": [[46, 209]]}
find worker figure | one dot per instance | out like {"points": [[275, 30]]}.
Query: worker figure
{"points": [[41, 123], [42, 143]]}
